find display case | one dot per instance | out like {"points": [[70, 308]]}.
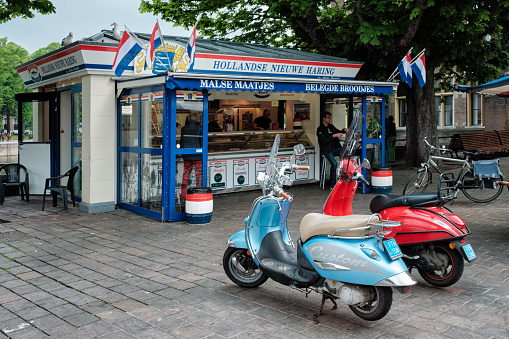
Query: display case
{"points": [[253, 141]]}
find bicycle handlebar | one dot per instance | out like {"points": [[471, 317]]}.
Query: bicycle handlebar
{"points": [[503, 183]]}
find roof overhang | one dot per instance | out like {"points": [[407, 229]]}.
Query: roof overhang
{"points": [[498, 87]]}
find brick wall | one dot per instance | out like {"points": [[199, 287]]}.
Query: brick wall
{"points": [[496, 113]]}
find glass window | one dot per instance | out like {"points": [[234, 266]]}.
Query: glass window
{"points": [[374, 125], [476, 109], [129, 180], [76, 117], [151, 182], [152, 119], [402, 112], [438, 110], [190, 114], [129, 106], [448, 111], [77, 132]]}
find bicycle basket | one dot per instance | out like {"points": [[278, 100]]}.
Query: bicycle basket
{"points": [[487, 171]]}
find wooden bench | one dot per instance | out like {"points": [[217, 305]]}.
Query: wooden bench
{"points": [[487, 142]]}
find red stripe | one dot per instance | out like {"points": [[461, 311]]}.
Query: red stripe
{"points": [[198, 197], [70, 51], [297, 62], [382, 173]]}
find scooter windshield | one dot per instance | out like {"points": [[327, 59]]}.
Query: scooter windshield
{"points": [[353, 136], [271, 168]]}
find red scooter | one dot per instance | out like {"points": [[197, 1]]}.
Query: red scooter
{"points": [[431, 237]]}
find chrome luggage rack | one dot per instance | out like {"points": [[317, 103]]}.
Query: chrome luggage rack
{"points": [[372, 229]]}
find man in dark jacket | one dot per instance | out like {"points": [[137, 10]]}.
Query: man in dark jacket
{"points": [[330, 146], [191, 137]]}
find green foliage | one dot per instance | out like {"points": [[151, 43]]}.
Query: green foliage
{"points": [[377, 32], [12, 55], [10, 9], [45, 50]]}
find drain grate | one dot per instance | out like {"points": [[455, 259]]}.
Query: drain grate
{"points": [[13, 236]]}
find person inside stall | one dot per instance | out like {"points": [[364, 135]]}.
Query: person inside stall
{"points": [[391, 138], [263, 122], [214, 126], [191, 137], [330, 146]]}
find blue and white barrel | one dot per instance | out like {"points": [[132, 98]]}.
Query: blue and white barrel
{"points": [[199, 205], [381, 180]]}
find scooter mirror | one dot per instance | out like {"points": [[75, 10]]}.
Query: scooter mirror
{"points": [[366, 164], [299, 149]]}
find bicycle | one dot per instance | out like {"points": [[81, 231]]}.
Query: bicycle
{"points": [[474, 189]]}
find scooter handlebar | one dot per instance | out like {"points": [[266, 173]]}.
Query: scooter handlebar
{"points": [[303, 168], [286, 196], [364, 180]]}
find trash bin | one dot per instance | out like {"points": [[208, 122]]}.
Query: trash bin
{"points": [[199, 205], [381, 180]]}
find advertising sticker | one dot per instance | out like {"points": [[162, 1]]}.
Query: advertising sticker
{"points": [[241, 172], [217, 170]]}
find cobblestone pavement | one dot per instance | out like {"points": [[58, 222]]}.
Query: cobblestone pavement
{"points": [[121, 275]]}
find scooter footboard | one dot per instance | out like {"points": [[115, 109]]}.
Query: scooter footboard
{"points": [[356, 261]]}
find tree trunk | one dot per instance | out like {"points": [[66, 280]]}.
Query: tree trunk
{"points": [[421, 119]]}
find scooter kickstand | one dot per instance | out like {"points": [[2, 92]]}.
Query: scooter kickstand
{"points": [[324, 298]]}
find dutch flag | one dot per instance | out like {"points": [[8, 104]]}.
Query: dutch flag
{"points": [[127, 50], [156, 40], [191, 48], [405, 71], [419, 68]]}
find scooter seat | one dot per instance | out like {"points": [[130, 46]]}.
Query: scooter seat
{"points": [[382, 201], [321, 224]]}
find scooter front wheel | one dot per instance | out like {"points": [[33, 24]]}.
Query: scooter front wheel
{"points": [[450, 272], [241, 269], [378, 307]]}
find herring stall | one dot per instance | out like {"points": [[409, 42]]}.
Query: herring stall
{"points": [[143, 139]]}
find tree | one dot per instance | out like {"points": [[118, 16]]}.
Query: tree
{"points": [[10, 9], [11, 55], [45, 50], [461, 38]]}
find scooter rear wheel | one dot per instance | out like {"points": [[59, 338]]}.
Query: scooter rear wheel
{"points": [[241, 269], [451, 273], [378, 307]]}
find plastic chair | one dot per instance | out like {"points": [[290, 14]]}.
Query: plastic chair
{"points": [[57, 188], [11, 175]]}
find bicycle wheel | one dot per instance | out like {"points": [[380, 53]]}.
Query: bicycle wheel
{"points": [[418, 182], [476, 190]]}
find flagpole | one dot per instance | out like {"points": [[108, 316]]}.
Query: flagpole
{"points": [[396, 71], [181, 56], [418, 56], [144, 46]]}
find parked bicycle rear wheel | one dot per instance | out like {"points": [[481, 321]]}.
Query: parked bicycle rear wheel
{"points": [[419, 182], [477, 191]]}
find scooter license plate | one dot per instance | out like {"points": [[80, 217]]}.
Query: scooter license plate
{"points": [[392, 248], [469, 252]]}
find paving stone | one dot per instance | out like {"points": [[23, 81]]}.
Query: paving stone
{"points": [[133, 325], [47, 322], [28, 333], [99, 328], [81, 318]]}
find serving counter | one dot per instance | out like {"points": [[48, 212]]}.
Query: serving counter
{"points": [[235, 158]]}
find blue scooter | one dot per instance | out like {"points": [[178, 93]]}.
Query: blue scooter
{"points": [[342, 257]]}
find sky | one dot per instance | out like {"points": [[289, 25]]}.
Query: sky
{"points": [[83, 19]]}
